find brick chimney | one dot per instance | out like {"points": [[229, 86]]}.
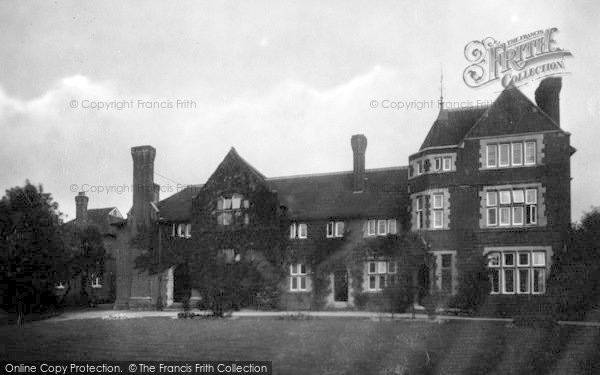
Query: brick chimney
{"points": [[359, 146], [547, 97], [144, 189], [81, 204]]}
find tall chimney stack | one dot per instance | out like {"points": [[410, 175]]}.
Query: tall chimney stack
{"points": [[359, 146], [81, 204], [547, 97], [143, 184]]}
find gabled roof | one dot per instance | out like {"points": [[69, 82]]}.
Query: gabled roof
{"points": [[511, 113], [102, 218], [318, 196], [450, 127]]}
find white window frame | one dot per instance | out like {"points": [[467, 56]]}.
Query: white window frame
{"points": [[541, 290], [500, 211], [230, 207], [495, 267], [516, 149], [504, 147], [382, 231], [293, 230], [533, 154], [96, 282], [527, 196], [492, 150], [530, 267], [419, 212], [437, 162], [518, 196], [438, 219], [439, 204], [392, 224], [491, 202], [330, 233], [448, 268], [378, 272], [335, 229], [298, 273], [505, 196], [447, 167], [302, 231], [528, 284], [371, 227], [492, 212], [515, 220]]}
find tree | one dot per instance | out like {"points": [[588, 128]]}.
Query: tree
{"points": [[86, 254], [32, 248], [574, 285]]}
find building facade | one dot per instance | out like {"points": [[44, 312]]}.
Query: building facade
{"points": [[98, 286], [488, 185]]}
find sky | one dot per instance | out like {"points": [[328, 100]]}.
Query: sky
{"points": [[285, 83]]}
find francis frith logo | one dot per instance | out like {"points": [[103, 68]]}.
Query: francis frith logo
{"points": [[517, 61]]}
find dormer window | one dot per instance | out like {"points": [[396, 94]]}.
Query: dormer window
{"points": [[229, 210], [335, 229], [298, 230], [378, 227]]}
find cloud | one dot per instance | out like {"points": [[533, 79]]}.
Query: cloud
{"points": [[293, 128]]}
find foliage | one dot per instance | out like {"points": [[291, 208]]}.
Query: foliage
{"points": [[31, 247], [473, 284], [230, 266], [87, 256], [352, 251], [574, 285]]}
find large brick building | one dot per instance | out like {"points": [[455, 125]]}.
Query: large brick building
{"points": [[488, 181]]}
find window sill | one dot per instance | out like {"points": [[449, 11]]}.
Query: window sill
{"points": [[509, 167]]}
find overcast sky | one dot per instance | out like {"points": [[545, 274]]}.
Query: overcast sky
{"points": [[284, 83]]}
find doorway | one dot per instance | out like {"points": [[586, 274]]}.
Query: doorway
{"points": [[340, 285]]}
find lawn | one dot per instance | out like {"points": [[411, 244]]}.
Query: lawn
{"points": [[315, 346]]}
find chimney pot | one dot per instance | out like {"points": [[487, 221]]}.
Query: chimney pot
{"points": [[144, 190], [81, 203], [359, 147], [547, 97]]}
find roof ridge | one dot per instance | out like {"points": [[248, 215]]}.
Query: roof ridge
{"points": [[336, 173]]}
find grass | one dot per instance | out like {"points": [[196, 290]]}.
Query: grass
{"points": [[315, 346]]}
